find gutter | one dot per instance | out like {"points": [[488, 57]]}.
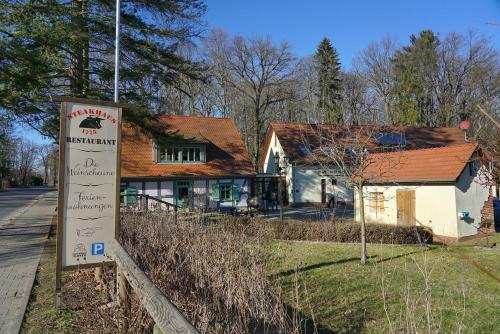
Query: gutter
{"points": [[163, 177], [412, 181]]}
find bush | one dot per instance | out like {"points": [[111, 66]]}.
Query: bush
{"points": [[215, 273], [346, 232]]}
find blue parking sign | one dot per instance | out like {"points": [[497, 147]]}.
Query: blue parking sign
{"points": [[98, 248]]}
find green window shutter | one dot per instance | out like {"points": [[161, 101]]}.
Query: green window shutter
{"points": [[215, 192], [131, 193], [236, 192]]}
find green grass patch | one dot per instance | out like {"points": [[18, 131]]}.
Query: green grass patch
{"points": [[400, 289], [41, 315]]}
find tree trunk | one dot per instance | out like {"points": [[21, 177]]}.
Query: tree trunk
{"points": [[258, 131], [364, 255], [80, 70]]}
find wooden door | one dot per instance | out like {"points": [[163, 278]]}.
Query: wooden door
{"points": [[184, 192], [406, 207]]}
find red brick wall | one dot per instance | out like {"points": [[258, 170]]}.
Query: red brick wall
{"points": [[487, 212]]}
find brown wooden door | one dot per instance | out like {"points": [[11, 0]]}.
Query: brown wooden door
{"points": [[406, 207]]}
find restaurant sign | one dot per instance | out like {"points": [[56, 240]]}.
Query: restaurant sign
{"points": [[89, 182]]}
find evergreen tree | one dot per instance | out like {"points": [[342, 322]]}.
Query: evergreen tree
{"points": [[415, 72], [66, 47], [329, 83]]}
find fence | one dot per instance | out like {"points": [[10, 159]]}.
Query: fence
{"points": [[167, 318]]}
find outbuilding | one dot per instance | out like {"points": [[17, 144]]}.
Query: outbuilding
{"points": [[288, 154], [445, 189]]}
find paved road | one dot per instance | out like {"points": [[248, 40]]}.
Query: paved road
{"points": [[11, 200], [22, 238]]}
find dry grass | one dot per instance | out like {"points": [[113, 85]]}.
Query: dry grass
{"points": [[216, 274]]}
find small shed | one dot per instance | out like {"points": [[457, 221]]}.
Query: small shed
{"points": [[446, 189]]}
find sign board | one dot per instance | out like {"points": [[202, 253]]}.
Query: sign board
{"points": [[89, 182]]}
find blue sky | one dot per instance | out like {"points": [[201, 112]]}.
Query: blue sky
{"points": [[350, 24]]}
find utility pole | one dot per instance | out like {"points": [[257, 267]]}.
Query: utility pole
{"points": [[117, 49]]}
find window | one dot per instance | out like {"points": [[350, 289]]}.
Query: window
{"points": [[128, 196], [377, 202], [225, 192], [181, 153]]}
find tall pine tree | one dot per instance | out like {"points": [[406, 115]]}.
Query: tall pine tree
{"points": [[329, 83], [415, 73], [66, 47]]}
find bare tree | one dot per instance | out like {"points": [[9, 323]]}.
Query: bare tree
{"points": [[25, 161], [375, 63], [468, 74], [48, 159], [358, 102], [257, 70], [345, 152]]}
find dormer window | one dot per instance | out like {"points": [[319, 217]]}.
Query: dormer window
{"points": [[177, 153]]}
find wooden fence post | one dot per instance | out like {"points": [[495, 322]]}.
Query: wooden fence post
{"points": [[123, 288], [98, 274]]}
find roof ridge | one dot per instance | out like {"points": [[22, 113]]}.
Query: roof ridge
{"points": [[195, 116], [366, 125]]}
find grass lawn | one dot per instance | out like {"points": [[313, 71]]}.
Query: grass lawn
{"points": [[41, 315], [344, 296]]}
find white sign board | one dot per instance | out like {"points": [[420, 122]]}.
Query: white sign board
{"points": [[90, 180]]}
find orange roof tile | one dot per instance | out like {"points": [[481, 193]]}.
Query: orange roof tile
{"points": [[293, 136], [226, 153], [439, 164]]}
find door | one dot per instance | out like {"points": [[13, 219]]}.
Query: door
{"points": [[183, 193], [323, 191], [406, 207]]}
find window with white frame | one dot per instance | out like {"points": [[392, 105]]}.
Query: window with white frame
{"points": [[171, 153]]}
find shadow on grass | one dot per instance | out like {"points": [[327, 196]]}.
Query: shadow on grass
{"points": [[398, 256], [330, 263], [313, 266], [306, 324]]}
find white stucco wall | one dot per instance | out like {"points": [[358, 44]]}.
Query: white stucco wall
{"points": [[166, 192], [304, 182], [435, 207], [270, 166], [471, 193], [307, 185]]}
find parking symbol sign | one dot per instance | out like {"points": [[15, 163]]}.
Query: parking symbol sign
{"points": [[98, 248]]}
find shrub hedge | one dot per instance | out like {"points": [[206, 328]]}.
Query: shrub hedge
{"points": [[347, 232]]}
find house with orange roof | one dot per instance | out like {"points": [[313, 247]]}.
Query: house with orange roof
{"points": [[447, 189], [289, 151], [190, 161]]}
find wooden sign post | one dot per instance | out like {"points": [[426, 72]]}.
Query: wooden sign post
{"points": [[89, 184]]}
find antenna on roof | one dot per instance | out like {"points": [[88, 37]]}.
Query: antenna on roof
{"points": [[465, 126]]}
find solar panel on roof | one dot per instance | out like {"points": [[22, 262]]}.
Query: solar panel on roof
{"points": [[390, 138], [305, 151]]}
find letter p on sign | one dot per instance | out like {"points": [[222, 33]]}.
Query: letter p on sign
{"points": [[98, 248]]}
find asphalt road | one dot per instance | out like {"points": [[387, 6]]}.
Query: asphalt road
{"points": [[14, 199], [25, 219]]}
